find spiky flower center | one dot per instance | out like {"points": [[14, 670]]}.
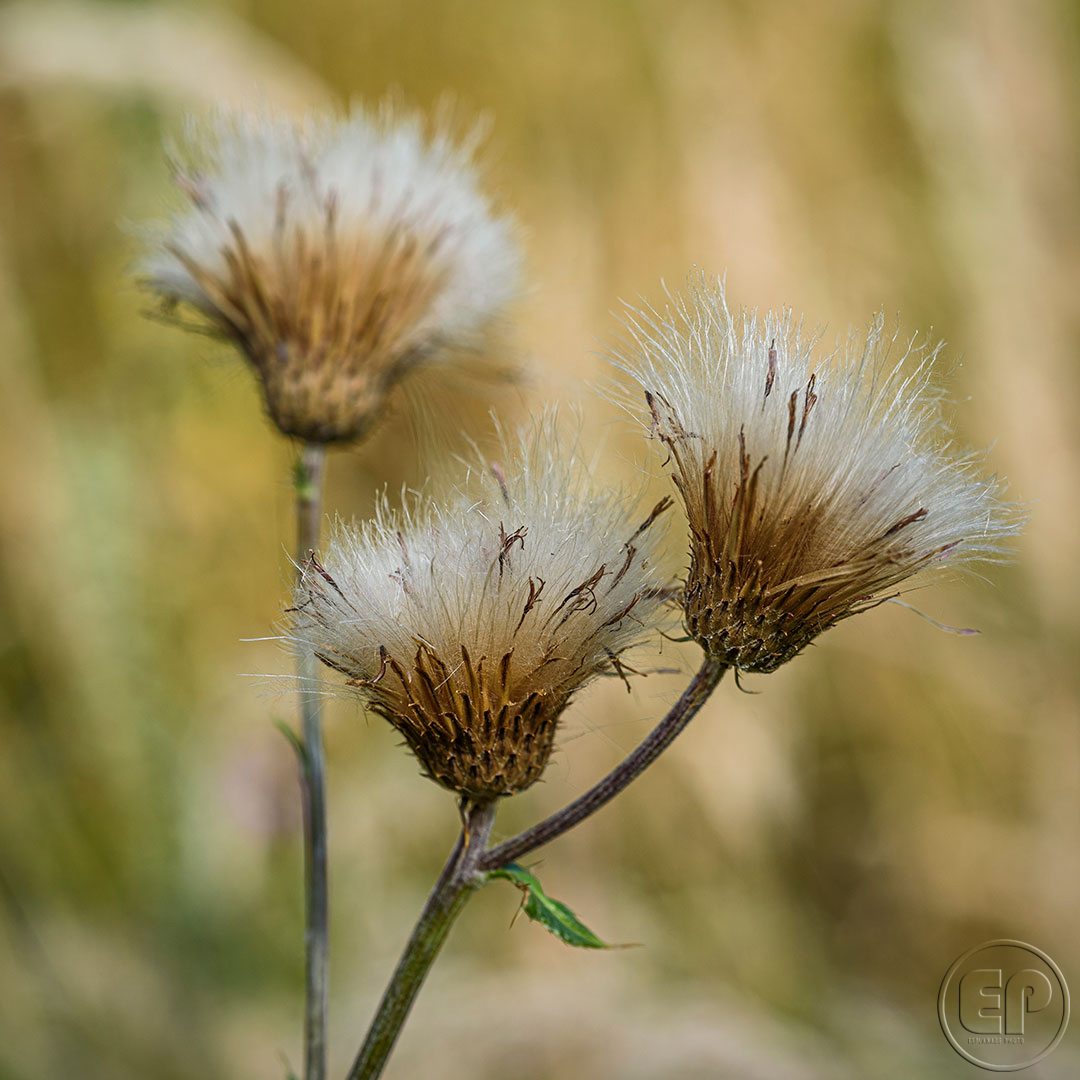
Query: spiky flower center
{"points": [[814, 485], [769, 567], [479, 702], [336, 253], [330, 320]]}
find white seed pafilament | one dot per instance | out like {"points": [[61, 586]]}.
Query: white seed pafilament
{"points": [[337, 254], [470, 623], [814, 482]]}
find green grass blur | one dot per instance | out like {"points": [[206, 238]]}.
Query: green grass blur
{"points": [[807, 861]]}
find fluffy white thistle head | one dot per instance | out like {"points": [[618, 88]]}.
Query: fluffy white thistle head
{"points": [[336, 254], [469, 623], [814, 483]]}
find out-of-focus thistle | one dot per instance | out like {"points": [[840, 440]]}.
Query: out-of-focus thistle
{"points": [[814, 483], [337, 255], [470, 622]]}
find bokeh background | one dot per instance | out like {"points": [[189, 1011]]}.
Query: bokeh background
{"points": [[807, 861]]}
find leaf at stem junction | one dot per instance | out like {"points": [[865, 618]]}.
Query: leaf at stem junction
{"points": [[552, 914]]}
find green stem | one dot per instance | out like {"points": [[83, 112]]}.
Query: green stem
{"points": [[456, 884], [310, 472], [469, 862]]}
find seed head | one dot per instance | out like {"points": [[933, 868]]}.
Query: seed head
{"points": [[337, 255], [814, 484], [469, 624]]}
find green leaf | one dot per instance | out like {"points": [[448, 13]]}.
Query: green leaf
{"points": [[294, 741], [552, 914]]}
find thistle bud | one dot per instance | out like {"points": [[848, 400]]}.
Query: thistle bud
{"points": [[814, 485], [336, 256], [470, 624]]}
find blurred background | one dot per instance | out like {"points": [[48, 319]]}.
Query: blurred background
{"points": [[807, 861]]}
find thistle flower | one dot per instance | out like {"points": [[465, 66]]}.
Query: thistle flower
{"points": [[813, 484], [470, 624], [336, 254]]}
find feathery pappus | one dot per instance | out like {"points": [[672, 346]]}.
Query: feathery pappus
{"points": [[469, 623], [814, 482], [336, 254]]}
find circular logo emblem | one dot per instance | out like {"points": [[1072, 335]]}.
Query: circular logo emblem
{"points": [[1004, 1005]]}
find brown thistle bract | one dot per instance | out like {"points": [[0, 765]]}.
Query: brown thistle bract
{"points": [[747, 600], [336, 256], [329, 322], [482, 727], [813, 485], [469, 626]]}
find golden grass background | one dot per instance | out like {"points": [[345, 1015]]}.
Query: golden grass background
{"points": [[806, 862]]}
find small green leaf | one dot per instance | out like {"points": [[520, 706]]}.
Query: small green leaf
{"points": [[552, 914], [294, 741]]}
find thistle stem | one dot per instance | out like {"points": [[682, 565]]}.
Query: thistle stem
{"points": [[464, 871], [310, 472], [459, 879], [694, 696]]}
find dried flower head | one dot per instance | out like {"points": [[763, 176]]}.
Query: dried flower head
{"points": [[813, 484], [470, 624], [336, 255]]}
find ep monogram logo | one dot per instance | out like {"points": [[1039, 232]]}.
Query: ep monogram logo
{"points": [[981, 1011], [1004, 1005]]}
